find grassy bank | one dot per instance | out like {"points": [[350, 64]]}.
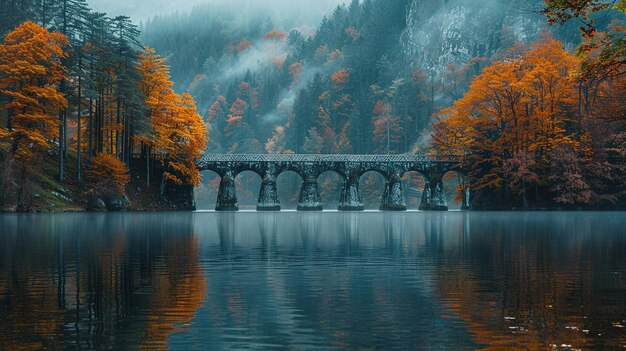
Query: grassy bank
{"points": [[47, 194]]}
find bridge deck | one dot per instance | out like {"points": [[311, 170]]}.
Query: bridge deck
{"points": [[326, 158]]}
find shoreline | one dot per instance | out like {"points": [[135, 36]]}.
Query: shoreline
{"points": [[165, 210]]}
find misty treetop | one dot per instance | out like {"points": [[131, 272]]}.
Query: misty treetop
{"points": [[373, 76]]}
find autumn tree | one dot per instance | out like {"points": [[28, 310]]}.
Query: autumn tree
{"points": [[567, 179], [177, 134], [602, 92], [604, 51], [107, 175], [156, 89], [512, 118], [277, 143], [217, 116], [520, 175], [31, 72], [388, 131], [181, 141]]}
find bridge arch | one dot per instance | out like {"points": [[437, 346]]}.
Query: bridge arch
{"points": [[289, 183], [246, 168], [414, 184], [376, 170], [206, 193], [330, 182], [371, 185], [458, 188], [352, 169], [248, 185], [290, 169]]}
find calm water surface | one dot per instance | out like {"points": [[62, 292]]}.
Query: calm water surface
{"points": [[423, 281]]}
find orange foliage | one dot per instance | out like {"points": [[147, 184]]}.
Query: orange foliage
{"points": [[181, 291], [183, 141], [244, 88], [238, 109], [235, 118], [388, 130], [352, 33], [178, 132], [218, 108], [295, 70], [341, 77], [275, 35], [30, 72], [520, 105], [334, 55], [243, 45], [108, 169], [279, 62]]}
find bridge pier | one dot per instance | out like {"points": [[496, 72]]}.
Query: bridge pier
{"points": [[434, 196], [268, 195], [350, 196], [393, 196], [466, 198], [426, 196], [350, 166], [227, 195], [438, 195], [310, 199]]}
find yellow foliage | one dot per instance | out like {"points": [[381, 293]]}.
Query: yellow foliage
{"points": [[30, 72], [521, 104], [179, 134], [107, 168]]}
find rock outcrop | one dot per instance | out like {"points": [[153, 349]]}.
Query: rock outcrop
{"points": [[442, 32]]}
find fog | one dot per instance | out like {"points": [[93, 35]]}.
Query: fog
{"points": [[302, 11]]}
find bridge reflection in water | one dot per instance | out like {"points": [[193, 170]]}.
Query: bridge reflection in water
{"points": [[349, 167], [313, 281]]}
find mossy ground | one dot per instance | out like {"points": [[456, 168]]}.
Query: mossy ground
{"points": [[49, 194]]}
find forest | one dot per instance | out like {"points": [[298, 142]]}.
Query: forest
{"points": [[82, 100], [531, 94]]}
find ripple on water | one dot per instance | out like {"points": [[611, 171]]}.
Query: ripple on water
{"points": [[317, 281]]}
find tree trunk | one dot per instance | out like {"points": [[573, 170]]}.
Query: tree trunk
{"points": [[10, 119], [65, 134], [148, 166], [21, 205], [61, 158], [78, 124], [99, 120], [118, 154], [525, 194], [90, 146]]}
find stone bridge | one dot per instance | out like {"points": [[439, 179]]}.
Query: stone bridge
{"points": [[349, 167]]}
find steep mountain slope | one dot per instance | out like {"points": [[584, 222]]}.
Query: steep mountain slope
{"points": [[367, 79]]}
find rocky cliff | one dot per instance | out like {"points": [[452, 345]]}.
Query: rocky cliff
{"points": [[441, 32]]}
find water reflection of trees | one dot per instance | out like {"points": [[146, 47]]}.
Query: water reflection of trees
{"points": [[522, 284], [412, 281], [510, 281], [120, 282], [322, 285]]}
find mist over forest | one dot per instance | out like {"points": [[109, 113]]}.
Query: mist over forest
{"points": [[132, 132], [295, 11], [447, 77], [415, 53], [370, 77]]}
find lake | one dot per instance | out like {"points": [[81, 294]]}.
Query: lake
{"points": [[314, 281]]}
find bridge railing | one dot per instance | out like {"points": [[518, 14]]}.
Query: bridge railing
{"points": [[326, 158]]}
